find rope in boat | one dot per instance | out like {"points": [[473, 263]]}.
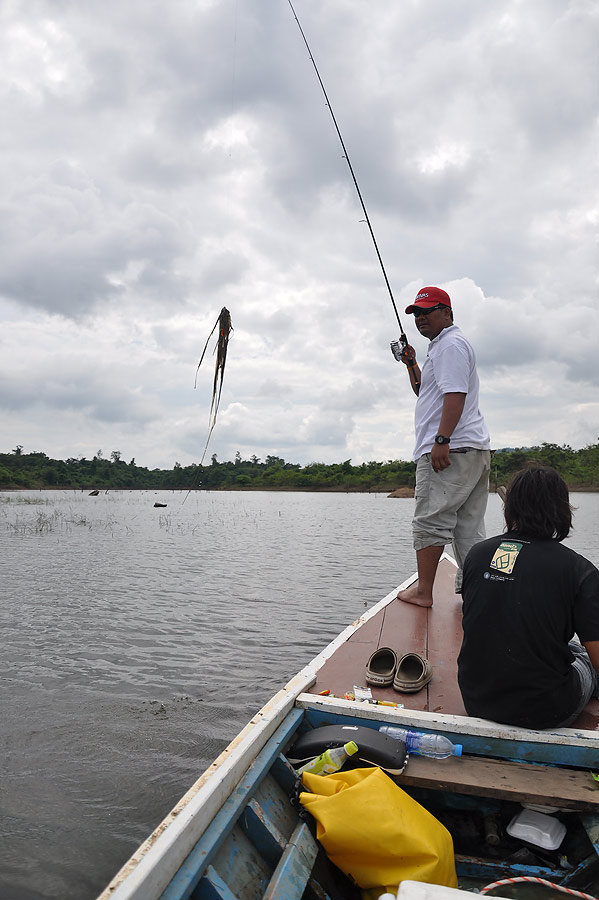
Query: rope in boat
{"points": [[536, 880]]}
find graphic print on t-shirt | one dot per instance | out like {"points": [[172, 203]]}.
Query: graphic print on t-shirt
{"points": [[504, 558]]}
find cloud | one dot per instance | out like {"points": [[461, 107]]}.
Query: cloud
{"points": [[164, 162], [70, 248]]}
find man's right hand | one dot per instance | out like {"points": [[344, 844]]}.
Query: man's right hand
{"points": [[408, 356], [440, 457]]}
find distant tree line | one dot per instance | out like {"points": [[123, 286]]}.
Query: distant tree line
{"points": [[580, 469]]}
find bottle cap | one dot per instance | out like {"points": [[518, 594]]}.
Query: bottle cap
{"points": [[350, 748], [457, 751]]}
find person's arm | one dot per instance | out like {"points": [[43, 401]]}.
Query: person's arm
{"points": [[408, 358], [451, 413]]}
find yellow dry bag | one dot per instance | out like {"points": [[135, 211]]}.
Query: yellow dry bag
{"points": [[376, 833]]}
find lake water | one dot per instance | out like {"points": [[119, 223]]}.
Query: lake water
{"points": [[137, 641]]}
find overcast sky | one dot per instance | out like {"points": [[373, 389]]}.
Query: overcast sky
{"points": [[161, 160]]}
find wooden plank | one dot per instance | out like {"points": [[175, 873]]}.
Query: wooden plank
{"points": [[241, 867], [292, 874], [275, 805], [370, 631], [364, 630], [214, 888], [284, 774], [401, 626], [405, 630], [263, 833], [339, 674], [444, 642], [547, 785]]}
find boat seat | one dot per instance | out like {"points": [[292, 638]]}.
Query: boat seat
{"points": [[294, 869], [572, 789]]}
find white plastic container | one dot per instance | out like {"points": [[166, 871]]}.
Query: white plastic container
{"points": [[537, 828]]}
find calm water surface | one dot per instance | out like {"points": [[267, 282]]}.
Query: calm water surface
{"points": [[136, 641]]}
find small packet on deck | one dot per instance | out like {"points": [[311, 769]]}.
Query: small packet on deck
{"points": [[362, 693]]}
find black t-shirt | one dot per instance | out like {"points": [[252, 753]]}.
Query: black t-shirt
{"points": [[523, 601]]}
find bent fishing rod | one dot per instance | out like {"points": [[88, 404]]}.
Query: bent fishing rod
{"points": [[398, 348]]}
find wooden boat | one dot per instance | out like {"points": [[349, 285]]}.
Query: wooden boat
{"points": [[235, 833]]}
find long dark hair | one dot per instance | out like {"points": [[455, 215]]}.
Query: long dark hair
{"points": [[537, 504]]}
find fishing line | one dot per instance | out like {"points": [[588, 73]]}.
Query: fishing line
{"points": [[233, 78], [403, 339]]}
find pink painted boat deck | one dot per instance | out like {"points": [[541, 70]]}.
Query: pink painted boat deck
{"points": [[436, 633]]}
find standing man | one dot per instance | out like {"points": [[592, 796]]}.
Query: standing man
{"points": [[452, 444]]}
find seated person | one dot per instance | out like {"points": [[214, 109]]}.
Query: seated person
{"points": [[526, 598]]}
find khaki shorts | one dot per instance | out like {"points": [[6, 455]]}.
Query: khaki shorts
{"points": [[451, 505]]}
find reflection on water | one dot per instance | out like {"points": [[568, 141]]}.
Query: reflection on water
{"points": [[138, 640]]}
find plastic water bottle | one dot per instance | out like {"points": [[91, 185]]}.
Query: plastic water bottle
{"points": [[420, 744], [331, 760]]}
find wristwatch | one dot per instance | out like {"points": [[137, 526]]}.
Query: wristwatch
{"points": [[441, 439]]}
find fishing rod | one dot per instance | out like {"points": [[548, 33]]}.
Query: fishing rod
{"points": [[398, 348]]}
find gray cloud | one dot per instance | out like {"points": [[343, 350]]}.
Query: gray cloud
{"points": [[72, 387], [165, 161], [69, 246]]}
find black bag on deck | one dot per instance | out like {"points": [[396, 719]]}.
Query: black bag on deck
{"points": [[374, 748]]}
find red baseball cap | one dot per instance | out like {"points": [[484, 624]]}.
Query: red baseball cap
{"points": [[427, 297]]}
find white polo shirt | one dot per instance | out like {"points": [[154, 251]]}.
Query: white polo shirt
{"points": [[450, 366]]}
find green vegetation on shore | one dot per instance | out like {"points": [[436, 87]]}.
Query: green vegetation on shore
{"points": [[580, 469]]}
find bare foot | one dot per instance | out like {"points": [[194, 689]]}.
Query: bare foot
{"points": [[414, 595]]}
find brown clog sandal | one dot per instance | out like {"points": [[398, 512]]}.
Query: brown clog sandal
{"points": [[412, 673], [381, 666]]}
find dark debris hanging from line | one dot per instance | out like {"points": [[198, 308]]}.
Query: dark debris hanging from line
{"points": [[225, 329]]}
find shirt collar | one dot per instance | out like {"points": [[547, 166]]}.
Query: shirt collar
{"points": [[451, 327]]}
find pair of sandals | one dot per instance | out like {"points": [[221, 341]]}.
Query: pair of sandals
{"points": [[408, 673]]}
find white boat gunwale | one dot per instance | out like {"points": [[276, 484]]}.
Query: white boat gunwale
{"points": [[450, 723]]}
